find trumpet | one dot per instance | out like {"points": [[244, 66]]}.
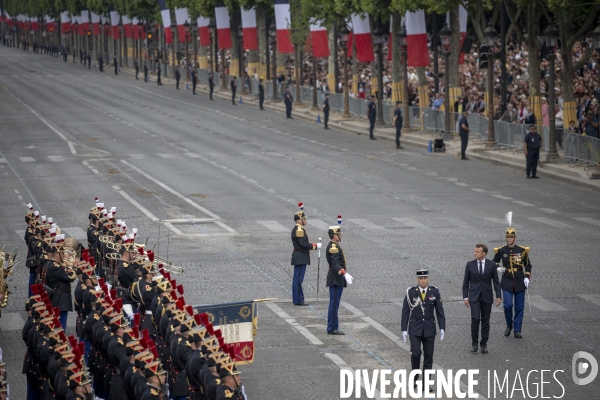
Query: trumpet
{"points": [[161, 262], [105, 238], [113, 246], [113, 256]]}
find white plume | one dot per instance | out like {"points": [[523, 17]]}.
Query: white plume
{"points": [[509, 218]]}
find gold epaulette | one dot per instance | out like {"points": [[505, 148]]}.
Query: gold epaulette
{"points": [[333, 249], [526, 249], [496, 249], [299, 231]]}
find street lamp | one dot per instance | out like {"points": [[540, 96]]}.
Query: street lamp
{"points": [[297, 68], [344, 34], [551, 39], [445, 34], [211, 27], [402, 42], [378, 39], [489, 36], [186, 30], [273, 36], [241, 59]]}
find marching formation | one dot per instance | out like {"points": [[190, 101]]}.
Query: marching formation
{"points": [[136, 338]]}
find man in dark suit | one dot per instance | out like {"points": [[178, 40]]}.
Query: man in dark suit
{"points": [[300, 255], [337, 277], [422, 304], [480, 274]]}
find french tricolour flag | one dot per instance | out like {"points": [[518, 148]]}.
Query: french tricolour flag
{"points": [[237, 324], [166, 19], [223, 30], [249, 29], [50, 24], [462, 22], [137, 28], [204, 31], [65, 22], [362, 37], [181, 15], [114, 22], [283, 22], [319, 38], [35, 25], [96, 23], [84, 21], [416, 39], [127, 27]]}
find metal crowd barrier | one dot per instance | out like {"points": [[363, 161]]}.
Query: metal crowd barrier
{"points": [[581, 150]]}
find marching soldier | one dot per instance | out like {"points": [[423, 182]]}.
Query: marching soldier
{"points": [[516, 273], [59, 279], [156, 380], [194, 364], [233, 89], [288, 99], [300, 255], [337, 277], [422, 304]]}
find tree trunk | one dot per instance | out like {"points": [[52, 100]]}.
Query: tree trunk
{"points": [[263, 43], [454, 90], [331, 78], [397, 82]]}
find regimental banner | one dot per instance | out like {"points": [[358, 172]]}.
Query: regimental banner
{"points": [[238, 323]]}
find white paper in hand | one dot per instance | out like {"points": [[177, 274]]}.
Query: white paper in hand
{"points": [[348, 278]]}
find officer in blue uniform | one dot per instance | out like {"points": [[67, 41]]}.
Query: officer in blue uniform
{"points": [[516, 274], [422, 304], [211, 85], [300, 255], [532, 143], [326, 110], [261, 94], [337, 278], [288, 99], [372, 115]]}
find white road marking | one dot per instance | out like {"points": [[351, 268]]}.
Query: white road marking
{"points": [[365, 224], [548, 221], [188, 220], [319, 224], [479, 190], [27, 159], [16, 191], [543, 304], [303, 331], [56, 158], [71, 147], [138, 206], [192, 155], [171, 227], [592, 298], [337, 360], [137, 156], [410, 222], [589, 220], [94, 170], [549, 210], [85, 163], [523, 203], [274, 226], [460, 184], [167, 155], [499, 196], [182, 197], [456, 222]]}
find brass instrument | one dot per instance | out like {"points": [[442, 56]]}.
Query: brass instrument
{"points": [[167, 265], [113, 256], [113, 246], [7, 262]]}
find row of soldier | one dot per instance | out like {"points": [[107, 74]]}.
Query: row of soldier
{"points": [[136, 338]]}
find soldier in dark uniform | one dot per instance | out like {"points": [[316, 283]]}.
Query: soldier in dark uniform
{"points": [[137, 68], [117, 356], [80, 288], [100, 63], [89, 60], [288, 99], [32, 243], [138, 379], [516, 274], [80, 56], [80, 387], [158, 71], [532, 143], [194, 79], [211, 379], [177, 77], [233, 89], [145, 72], [326, 110], [211, 85], [143, 293], [195, 362], [182, 350], [59, 280], [261, 94], [397, 123], [116, 65], [156, 380], [128, 272], [300, 255], [372, 115], [422, 304], [337, 277], [230, 383]]}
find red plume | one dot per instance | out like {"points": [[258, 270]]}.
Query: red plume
{"points": [[136, 332], [101, 282], [146, 334], [161, 265], [136, 320], [56, 311], [141, 251], [232, 352], [113, 293], [92, 262], [167, 275], [73, 342], [150, 255], [143, 343], [81, 348], [218, 333], [118, 305], [180, 289], [180, 304], [190, 310], [221, 341], [77, 361], [63, 336], [204, 319], [210, 329], [154, 352], [197, 319]]}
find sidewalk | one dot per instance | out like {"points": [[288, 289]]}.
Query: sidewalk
{"points": [[562, 171]]}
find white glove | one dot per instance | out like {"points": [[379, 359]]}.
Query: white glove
{"points": [[404, 335], [319, 245], [526, 282], [348, 278], [441, 335], [500, 270]]}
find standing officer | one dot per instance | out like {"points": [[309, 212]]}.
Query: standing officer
{"points": [[531, 145], [516, 273], [158, 70], [463, 131], [177, 77], [233, 89], [80, 56], [59, 279], [194, 79], [211, 85], [261, 94], [480, 274], [100, 63], [372, 114], [89, 60], [418, 320], [397, 123], [337, 277], [300, 255], [145, 72], [137, 69], [116, 65], [326, 110], [288, 99], [84, 58]]}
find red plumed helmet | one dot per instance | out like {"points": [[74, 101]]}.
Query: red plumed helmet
{"points": [[197, 319], [92, 262], [136, 320], [101, 282], [221, 341], [136, 332], [143, 343], [146, 334], [141, 251], [190, 310], [204, 319], [150, 255], [180, 289], [113, 293], [118, 305], [81, 345], [73, 342], [210, 329], [218, 333], [56, 311], [63, 336]]}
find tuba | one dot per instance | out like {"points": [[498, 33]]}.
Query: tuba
{"points": [[7, 263]]}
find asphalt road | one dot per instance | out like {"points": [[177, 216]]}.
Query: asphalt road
{"points": [[228, 178]]}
